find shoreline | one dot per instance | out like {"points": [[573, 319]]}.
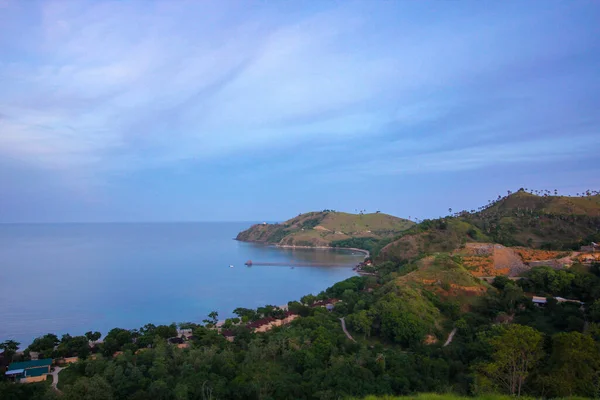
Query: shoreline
{"points": [[288, 246], [291, 246]]}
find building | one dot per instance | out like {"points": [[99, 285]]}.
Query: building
{"points": [[187, 333], [541, 301], [229, 335], [592, 248], [30, 371], [176, 340]]}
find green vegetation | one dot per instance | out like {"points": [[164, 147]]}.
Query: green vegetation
{"points": [[371, 244], [449, 396], [420, 323], [330, 228], [548, 222], [518, 219], [67, 377], [432, 236]]}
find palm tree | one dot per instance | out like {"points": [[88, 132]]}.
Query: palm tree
{"points": [[10, 347]]}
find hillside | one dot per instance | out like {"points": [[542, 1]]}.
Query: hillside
{"points": [[548, 222], [519, 219], [432, 236], [326, 228]]}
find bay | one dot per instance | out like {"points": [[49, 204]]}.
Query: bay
{"points": [[74, 278]]}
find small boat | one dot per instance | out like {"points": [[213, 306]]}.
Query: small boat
{"points": [[230, 266]]}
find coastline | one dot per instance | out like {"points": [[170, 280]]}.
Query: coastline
{"points": [[288, 246], [291, 246]]}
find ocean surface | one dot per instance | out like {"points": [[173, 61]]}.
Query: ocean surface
{"points": [[74, 278]]}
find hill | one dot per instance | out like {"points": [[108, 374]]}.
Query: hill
{"points": [[431, 236], [327, 228], [519, 219], [547, 222]]}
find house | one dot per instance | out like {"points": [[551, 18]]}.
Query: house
{"points": [[176, 340], [30, 371], [541, 301], [592, 248], [563, 300], [229, 335], [325, 303], [265, 324], [185, 333]]}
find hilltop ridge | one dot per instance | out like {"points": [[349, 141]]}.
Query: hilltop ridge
{"points": [[548, 222], [326, 228]]}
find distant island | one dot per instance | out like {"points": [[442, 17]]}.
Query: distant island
{"points": [[329, 228]]}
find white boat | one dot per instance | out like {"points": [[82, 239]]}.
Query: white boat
{"points": [[231, 266]]}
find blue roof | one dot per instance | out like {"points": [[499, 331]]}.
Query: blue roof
{"points": [[30, 364], [14, 372]]}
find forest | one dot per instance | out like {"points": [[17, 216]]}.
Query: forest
{"points": [[503, 344]]}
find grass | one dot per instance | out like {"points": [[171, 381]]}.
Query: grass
{"points": [[441, 268], [433, 236], [323, 228]]}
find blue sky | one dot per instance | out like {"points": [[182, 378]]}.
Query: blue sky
{"points": [[259, 110]]}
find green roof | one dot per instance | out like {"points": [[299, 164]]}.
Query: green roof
{"points": [[38, 371], [30, 364]]}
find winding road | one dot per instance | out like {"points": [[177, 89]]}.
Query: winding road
{"points": [[450, 337], [346, 330], [55, 378]]}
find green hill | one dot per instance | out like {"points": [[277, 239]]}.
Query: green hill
{"points": [[519, 219], [327, 228], [548, 222], [431, 236]]}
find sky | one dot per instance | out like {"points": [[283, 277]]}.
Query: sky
{"points": [[259, 110]]}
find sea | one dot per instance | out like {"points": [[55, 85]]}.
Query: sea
{"points": [[73, 278]]}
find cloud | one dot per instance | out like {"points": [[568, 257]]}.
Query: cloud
{"points": [[108, 87]]}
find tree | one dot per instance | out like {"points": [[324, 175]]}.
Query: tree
{"points": [[95, 388], [595, 311], [309, 299], [575, 365], [10, 347], [361, 322], [516, 351], [166, 331], [93, 336], [44, 344], [246, 314], [511, 295], [500, 282], [213, 318]]}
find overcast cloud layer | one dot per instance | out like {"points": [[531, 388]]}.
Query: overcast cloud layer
{"points": [[175, 110]]}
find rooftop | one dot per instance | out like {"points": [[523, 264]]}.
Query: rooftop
{"points": [[30, 364]]}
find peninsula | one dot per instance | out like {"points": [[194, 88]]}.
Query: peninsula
{"points": [[329, 228]]}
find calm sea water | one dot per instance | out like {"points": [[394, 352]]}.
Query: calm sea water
{"points": [[77, 277]]}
